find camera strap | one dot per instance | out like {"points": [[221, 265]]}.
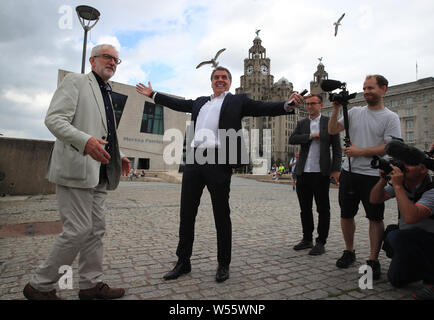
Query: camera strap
{"points": [[427, 184]]}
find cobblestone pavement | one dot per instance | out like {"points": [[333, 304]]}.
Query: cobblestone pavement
{"points": [[142, 231]]}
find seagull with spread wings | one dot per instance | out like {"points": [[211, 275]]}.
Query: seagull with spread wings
{"points": [[337, 24], [212, 61]]}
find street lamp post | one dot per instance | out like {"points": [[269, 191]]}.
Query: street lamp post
{"points": [[86, 15]]}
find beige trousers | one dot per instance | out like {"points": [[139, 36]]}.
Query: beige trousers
{"points": [[82, 215]]}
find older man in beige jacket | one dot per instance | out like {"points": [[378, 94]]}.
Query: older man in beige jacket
{"points": [[84, 164]]}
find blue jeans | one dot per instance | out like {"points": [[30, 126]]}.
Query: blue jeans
{"points": [[413, 256]]}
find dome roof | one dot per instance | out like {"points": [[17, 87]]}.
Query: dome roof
{"points": [[283, 80]]}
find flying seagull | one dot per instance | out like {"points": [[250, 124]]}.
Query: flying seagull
{"points": [[337, 24], [212, 61]]}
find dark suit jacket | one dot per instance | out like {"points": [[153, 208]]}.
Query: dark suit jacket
{"points": [[301, 136], [233, 109]]}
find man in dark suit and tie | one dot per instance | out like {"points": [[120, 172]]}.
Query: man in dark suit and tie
{"points": [[314, 169], [212, 115]]}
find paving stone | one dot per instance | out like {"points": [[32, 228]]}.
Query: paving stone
{"points": [[142, 221]]}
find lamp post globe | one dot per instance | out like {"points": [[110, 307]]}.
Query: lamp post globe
{"points": [[88, 18]]}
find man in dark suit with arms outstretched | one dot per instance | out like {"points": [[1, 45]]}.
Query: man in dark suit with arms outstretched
{"points": [[211, 115]]}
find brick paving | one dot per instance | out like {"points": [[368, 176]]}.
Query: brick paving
{"points": [[142, 226]]}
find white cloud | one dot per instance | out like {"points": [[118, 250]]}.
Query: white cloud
{"points": [[163, 41], [14, 133], [28, 103], [106, 39]]}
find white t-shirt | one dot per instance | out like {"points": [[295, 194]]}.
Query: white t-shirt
{"points": [[367, 129]]}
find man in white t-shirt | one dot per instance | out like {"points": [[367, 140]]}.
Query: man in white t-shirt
{"points": [[370, 128]]}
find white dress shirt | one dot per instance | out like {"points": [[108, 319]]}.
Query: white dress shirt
{"points": [[312, 162], [207, 123]]}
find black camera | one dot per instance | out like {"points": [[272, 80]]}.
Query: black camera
{"points": [[384, 164], [401, 154]]}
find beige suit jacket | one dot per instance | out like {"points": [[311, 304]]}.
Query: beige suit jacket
{"points": [[76, 113]]}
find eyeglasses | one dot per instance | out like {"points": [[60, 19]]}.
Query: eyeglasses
{"points": [[310, 103], [109, 57]]}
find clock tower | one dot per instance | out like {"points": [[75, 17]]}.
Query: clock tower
{"points": [[256, 81], [258, 84]]}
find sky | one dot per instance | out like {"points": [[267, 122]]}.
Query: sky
{"points": [[163, 41]]}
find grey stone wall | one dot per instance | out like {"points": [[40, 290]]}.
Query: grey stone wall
{"points": [[23, 164]]}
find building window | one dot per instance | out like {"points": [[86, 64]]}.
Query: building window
{"points": [[394, 103], [118, 101], [132, 160], [409, 136], [425, 109], [143, 164], [152, 119], [409, 100], [409, 111], [409, 124]]}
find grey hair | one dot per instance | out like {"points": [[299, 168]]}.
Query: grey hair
{"points": [[97, 49], [222, 69]]}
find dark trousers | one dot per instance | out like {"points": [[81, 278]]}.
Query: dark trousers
{"points": [[217, 178], [413, 256], [310, 185]]}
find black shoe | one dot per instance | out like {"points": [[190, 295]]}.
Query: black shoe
{"points": [[347, 259], [222, 273], [376, 268], [426, 292], [182, 267], [317, 250], [303, 244]]}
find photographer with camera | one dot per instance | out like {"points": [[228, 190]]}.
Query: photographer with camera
{"points": [[369, 127], [411, 246]]}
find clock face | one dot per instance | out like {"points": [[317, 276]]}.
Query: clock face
{"points": [[264, 69], [249, 70]]}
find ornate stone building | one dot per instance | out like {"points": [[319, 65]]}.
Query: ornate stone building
{"points": [[258, 83], [318, 76], [412, 101]]}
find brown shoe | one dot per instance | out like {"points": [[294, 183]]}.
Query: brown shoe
{"points": [[101, 291], [33, 294]]}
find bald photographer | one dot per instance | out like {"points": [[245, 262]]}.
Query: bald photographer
{"points": [[410, 245]]}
